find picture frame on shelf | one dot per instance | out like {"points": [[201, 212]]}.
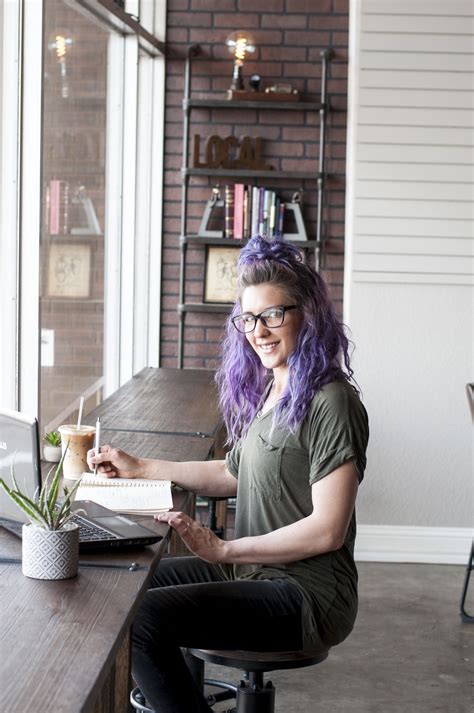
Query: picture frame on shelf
{"points": [[220, 282], [69, 270]]}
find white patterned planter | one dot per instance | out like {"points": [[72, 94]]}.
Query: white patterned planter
{"points": [[52, 453], [50, 554]]}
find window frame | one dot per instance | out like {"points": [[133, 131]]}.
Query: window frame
{"points": [[134, 170]]}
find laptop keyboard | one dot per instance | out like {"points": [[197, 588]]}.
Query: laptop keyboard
{"points": [[89, 531]]}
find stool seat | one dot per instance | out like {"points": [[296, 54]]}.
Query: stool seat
{"points": [[253, 694], [261, 661]]}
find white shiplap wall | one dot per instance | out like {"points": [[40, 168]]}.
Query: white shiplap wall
{"points": [[409, 268]]}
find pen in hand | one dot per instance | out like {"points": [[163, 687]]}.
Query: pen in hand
{"points": [[97, 442]]}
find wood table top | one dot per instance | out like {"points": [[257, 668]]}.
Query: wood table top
{"points": [[174, 401], [62, 636], [162, 446]]}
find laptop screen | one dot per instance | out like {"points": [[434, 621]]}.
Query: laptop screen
{"points": [[19, 446]]}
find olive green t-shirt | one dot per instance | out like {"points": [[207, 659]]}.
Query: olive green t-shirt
{"points": [[276, 470]]}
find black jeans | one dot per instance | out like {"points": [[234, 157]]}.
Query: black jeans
{"points": [[190, 605]]}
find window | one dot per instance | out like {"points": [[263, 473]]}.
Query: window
{"points": [[74, 146], [82, 99]]}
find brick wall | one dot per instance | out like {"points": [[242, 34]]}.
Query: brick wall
{"points": [[289, 36]]}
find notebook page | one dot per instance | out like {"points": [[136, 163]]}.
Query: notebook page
{"points": [[126, 495]]}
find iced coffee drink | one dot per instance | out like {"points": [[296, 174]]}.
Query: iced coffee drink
{"points": [[80, 441]]}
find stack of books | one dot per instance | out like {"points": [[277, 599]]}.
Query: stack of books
{"points": [[252, 210]]}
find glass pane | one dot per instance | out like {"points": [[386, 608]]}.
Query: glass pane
{"points": [[73, 186]]}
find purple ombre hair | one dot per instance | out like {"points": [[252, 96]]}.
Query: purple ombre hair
{"points": [[322, 350]]}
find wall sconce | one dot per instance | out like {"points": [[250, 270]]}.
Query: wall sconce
{"points": [[240, 44], [60, 45]]}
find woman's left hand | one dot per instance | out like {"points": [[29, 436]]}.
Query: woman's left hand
{"points": [[201, 541]]}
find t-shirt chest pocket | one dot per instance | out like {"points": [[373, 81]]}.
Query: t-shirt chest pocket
{"points": [[266, 468]]}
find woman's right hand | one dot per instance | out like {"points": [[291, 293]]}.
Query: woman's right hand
{"points": [[113, 462]]}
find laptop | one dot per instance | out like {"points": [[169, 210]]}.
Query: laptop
{"points": [[100, 529]]}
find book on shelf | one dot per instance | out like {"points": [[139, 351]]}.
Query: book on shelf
{"points": [[229, 211], [251, 210], [254, 211], [247, 193], [136, 496], [239, 191], [57, 201]]}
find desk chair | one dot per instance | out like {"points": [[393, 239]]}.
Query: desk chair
{"points": [[468, 618]]}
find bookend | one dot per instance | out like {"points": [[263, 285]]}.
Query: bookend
{"points": [[214, 202], [300, 234]]}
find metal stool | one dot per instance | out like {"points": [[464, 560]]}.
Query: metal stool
{"points": [[253, 695], [467, 618]]}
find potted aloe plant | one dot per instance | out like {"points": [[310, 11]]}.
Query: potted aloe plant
{"points": [[50, 546], [52, 447]]}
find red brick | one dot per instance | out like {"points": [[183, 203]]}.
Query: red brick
{"points": [[291, 54], [338, 71], [329, 22], [339, 39], [214, 335], [297, 69], [168, 317], [168, 362], [228, 20], [260, 5], [308, 6], [193, 363], [298, 133], [169, 287], [177, 34], [310, 38], [285, 21], [206, 4], [189, 19], [168, 349]]}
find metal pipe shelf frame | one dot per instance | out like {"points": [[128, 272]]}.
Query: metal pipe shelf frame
{"points": [[209, 102]]}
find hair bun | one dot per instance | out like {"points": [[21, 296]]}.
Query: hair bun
{"points": [[262, 248]]}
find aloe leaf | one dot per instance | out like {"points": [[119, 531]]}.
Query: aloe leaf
{"points": [[44, 490], [28, 506], [65, 508], [12, 473], [52, 496]]}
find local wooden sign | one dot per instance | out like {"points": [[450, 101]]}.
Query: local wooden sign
{"points": [[230, 152]]}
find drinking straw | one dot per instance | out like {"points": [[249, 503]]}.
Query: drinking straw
{"points": [[97, 442], [79, 416]]}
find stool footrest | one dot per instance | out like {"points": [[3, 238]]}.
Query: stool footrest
{"points": [[228, 691]]}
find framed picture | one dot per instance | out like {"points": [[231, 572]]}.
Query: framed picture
{"points": [[69, 270], [220, 283]]}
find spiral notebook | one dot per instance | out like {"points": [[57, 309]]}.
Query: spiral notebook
{"points": [[135, 496]]}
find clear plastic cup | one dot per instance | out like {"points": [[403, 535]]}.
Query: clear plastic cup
{"points": [[80, 441]]}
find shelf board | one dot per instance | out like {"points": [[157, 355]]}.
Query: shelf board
{"points": [[232, 242], [210, 103], [245, 173], [205, 307]]}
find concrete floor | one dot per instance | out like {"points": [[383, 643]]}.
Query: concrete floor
{"points": [[408, 653]]}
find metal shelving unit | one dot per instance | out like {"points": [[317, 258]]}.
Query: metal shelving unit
{"points": [[319, 176]]}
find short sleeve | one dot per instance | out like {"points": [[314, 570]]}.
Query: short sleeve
{"points": [[339, 431], [232, 459]]}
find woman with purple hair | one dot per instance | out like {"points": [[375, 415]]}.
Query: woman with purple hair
{"points": [[298, 435]]}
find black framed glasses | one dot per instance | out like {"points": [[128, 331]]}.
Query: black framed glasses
{"points": [[272, 317]]}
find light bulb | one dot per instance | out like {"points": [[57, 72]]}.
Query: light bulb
{"points": [[59, 44], [240, 44]]}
